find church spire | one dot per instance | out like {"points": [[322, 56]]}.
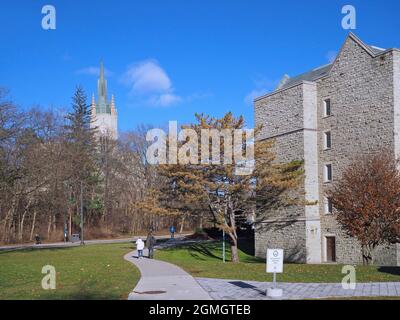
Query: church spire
{"points": [[102, 90], [104, 113]]}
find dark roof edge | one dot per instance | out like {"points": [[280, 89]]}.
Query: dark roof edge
{"points": [[351, 35], [286, 88]]}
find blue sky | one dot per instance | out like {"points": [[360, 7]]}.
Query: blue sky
{"points": [[167, 60]]}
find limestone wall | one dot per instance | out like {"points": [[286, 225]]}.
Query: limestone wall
{"points": [[360, 88]]}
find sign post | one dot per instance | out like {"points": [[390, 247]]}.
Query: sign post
{"points": [[274, 265]]}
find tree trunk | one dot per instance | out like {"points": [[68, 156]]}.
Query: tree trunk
{"points": [[21, 224], [21, 227], [54, 227], [234, 249], [5, 228], [201, 221], [33, 225], [366, 254], [182, 224], [232, 234], [70, 223], [49, 228]]}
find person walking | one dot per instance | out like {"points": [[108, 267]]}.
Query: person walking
{"points": [[172, 231], [140, 247], [150, 243], [37, 239]]}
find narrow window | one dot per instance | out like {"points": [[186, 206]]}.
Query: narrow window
{"points": [[328, 206], [330, 249], [328, 173], [327, 107], [327, 140]]}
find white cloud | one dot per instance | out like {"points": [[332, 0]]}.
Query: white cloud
{"points": [[262, 87], [146, 79], [165, 100], [93, 71], [331, 56], [249, 99]]}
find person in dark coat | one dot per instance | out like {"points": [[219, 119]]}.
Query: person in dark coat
{"points": [[172, 231], [150, 243], [37, 239]]}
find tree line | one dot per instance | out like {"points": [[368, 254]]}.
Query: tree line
{"points": [[54, 169], [51, 162]]}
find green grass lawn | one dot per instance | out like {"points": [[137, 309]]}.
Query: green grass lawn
{"points": [[88, 272], [205, 260]]}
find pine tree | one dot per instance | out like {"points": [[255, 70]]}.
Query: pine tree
{"points": [[82, 149], [217, 189]]}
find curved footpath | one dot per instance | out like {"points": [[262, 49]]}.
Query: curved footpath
{"points": [[163, 281]]}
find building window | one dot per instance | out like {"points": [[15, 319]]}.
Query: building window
{"points": [[328, 173], [327, 140], [327, 107], [328, 206]]}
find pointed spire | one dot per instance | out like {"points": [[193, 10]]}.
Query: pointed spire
{"points": [[101, 70], [102, 90]]}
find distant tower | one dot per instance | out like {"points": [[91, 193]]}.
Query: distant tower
{"points": [[104, 114]]}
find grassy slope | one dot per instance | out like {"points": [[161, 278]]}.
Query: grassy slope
{"points": [[89, 272], [204, 260]]}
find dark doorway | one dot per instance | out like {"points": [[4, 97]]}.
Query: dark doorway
{"points": [[330, 249]]}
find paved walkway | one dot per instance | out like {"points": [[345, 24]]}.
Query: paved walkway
{"points": [[163, 281], [77, 244], [221, 289]]}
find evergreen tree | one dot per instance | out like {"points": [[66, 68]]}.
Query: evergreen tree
{"points": [[193, 189], [82, 151]]}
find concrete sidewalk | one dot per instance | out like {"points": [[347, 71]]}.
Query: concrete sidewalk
{"points": [[222, 289], [163, 281]]}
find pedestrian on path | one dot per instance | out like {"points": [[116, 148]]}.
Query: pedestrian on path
{"points": [[172, 231], [140, 247], [37, 239], [150, 243]]}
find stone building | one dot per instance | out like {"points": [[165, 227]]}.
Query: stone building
{"points": [[104, 113], [325, 117]]}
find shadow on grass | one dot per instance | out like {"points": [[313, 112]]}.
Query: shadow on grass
{"points": [[391, 270], [83, 295], [247, 245], [41, 249], [213, 250], [198, 249]]}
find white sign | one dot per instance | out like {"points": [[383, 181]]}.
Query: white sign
{"points": [[274, 260]]}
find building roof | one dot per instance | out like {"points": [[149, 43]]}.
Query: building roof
{"points": [[317, 73], [376, 50], [307, 76]]}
